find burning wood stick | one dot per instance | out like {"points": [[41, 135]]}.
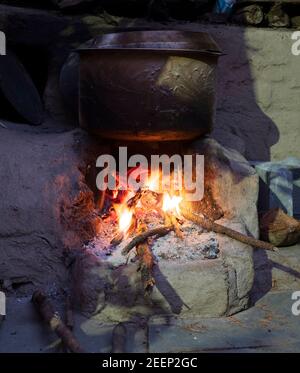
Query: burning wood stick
{"points": [[217, 228], [159, 232], [134, 200], [170, 219], [146, 261], [45, 308], [170, 207], [117, 239]]}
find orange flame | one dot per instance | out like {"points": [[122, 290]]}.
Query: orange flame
{"points": [[153, 182], [124, 217]]}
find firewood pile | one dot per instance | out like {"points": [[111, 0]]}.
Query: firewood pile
{"points": [[264, 13]]}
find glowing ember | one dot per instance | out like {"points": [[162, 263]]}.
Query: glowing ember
{"points": [[171, 204]]}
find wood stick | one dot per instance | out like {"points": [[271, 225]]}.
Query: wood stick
{"points": [[117, 239], [249, 15], [45, 308], [146, 261], [170, 219], [159, 232], [277, 17], [134, 200], [217, 228]]}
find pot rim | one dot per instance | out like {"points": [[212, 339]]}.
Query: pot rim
{"points": [[157, 41]]}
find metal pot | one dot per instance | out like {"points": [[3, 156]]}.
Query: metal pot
{"points": [[149, 85]]}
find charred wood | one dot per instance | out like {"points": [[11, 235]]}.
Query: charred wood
{"points": [[52, 318], [158, 232], [146, 262]]}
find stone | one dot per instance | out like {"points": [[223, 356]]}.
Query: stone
{"points": [[233, 182], [114, 292]]}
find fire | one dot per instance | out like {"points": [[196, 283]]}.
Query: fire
{"points": [[124, 217], [153, 182], [171, 204], [130, 205]]}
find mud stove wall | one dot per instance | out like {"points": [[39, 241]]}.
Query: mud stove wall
{"points": [[187, 283]]}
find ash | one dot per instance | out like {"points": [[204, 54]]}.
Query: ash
{"points": [[196, 243]]}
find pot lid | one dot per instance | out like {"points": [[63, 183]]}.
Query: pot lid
{"points": [[163, 40]]}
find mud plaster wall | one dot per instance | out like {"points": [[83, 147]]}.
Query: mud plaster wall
{"points": [[258, 109]]}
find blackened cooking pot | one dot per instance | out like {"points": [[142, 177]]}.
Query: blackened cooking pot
{"points": [[148, 85]]}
